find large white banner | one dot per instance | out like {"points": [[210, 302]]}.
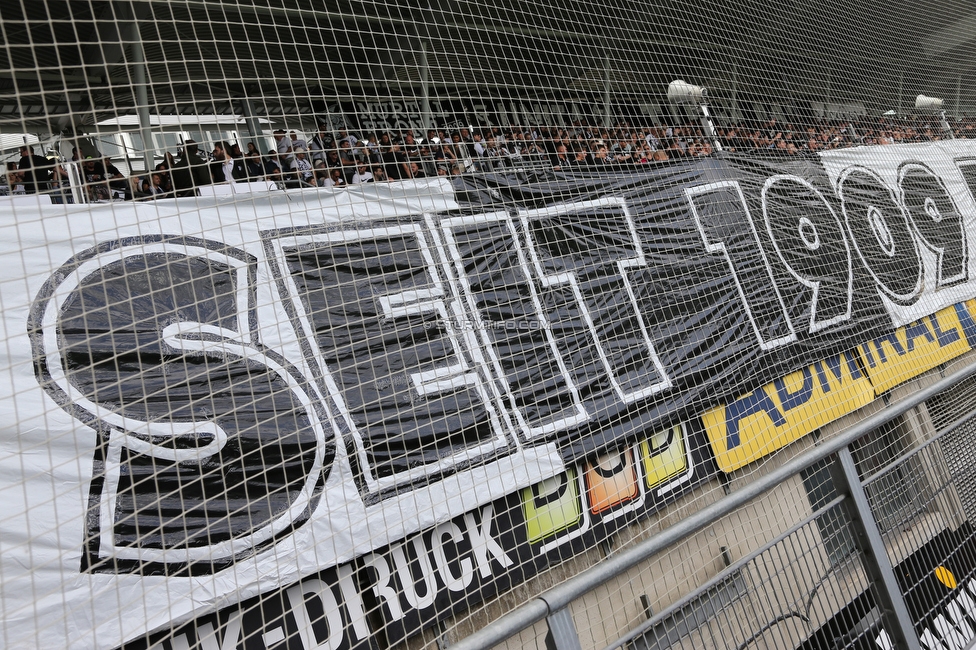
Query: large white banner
{"points": [[72, 573], [204, 400], [899, 202]]}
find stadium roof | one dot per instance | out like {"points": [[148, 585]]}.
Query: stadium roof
{"points": [[69, 65]]}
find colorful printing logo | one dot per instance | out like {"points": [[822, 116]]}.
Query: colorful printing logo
{"points": [[608, 489]]}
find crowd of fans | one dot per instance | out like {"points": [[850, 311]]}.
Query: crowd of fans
{"points": [[337, 159]]}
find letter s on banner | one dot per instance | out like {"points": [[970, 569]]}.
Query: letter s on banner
{"points": [[209, 446]]}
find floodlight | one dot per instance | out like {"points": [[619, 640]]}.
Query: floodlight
{"points": [[681, 92], [934, 105], [925, 103]]}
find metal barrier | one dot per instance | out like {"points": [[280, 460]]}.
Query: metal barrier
{"points": [[858, 572]]}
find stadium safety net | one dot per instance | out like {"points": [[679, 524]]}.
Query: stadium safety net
{"points": [[360, 324]]}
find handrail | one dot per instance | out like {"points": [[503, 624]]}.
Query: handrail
{"points": [[560, 596]]}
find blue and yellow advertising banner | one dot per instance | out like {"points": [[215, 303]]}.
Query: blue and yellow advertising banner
{"points": [[774, 415], [913, 349]]}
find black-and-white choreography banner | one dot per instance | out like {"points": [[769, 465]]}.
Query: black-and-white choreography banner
{"points": [[210, 400]]}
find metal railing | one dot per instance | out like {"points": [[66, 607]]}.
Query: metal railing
{"points": [[848, 547]]}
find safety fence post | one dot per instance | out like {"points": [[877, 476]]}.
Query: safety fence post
{"points": [[867, 537], [562, 631]]}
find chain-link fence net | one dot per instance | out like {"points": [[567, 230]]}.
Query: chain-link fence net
{"points": [[357, 325]]}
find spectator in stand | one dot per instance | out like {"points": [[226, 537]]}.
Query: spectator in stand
{"points": [[164, 178], [320, 142], [35, 170], [623, 150], [239, 172], [561, 160], [395, 163], [302, 167], [581, 156], [222, 167], [190, 170], [15, 181], [379, 174], [500, 139], [463, 152], [116, 179], [61, 184], [600, 155], [477, 145], [283, 145], [95, 182], [335, 179], [411, 149], [154, 186], [416, 171], [362, 175], [321, 173], [254, 166], [653, 138], [532, 151], [442, 156], [169, 160], [347, 159], [676, 148], [495, 156], [343, 134], [272, 170], [297, 142], [642, 153], [332, 160], [370, 150]]}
